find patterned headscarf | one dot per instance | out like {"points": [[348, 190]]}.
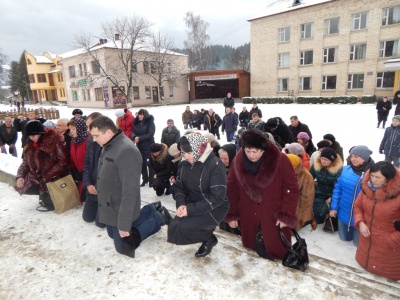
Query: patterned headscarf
{"points": [[81, 131], [195, 143]]}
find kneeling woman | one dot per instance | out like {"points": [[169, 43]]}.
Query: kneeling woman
{"points": [[200, 195]]}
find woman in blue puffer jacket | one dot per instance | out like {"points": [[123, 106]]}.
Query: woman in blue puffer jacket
{"points": [[346, 191]]}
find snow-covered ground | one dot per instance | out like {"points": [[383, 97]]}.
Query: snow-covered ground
{"points": [[44, 255]]}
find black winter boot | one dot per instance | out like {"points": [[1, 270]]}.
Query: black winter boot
{"points": [[207, 246]]}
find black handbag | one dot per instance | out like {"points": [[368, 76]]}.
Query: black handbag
{"points": [[297, 255], [330, 224]]}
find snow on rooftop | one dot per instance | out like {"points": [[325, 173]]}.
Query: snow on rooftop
{"points": [[42, 59]]}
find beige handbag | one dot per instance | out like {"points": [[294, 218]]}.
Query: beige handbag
{"points": [[63, 193]]}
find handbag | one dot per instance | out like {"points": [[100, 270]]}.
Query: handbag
{"points": [[63, 193], [330, 223], [297, 255]]}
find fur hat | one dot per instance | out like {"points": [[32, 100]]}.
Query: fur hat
{"points": [[330, 137], [361, 151], [210, 137], [303, 136], [272, 123], [34, 127], [322, 144], [173, 150], [155, 148], [254, 138], [119, 112], [294, 148], [396, 117], [294, 159], [77, 111], [329, 153]]}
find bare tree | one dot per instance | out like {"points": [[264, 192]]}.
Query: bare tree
{"points": [[128, 36], [240, 58], [197, 41]]}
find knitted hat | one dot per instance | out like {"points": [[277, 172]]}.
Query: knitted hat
{"points": [[294, 159], [119, 112], [155, 147], [34, 127], [77, 111], [361, 151], [173, 150], [294, 148], [329, 153], [303, 136], [396, 117], [49, 124], [322, 144], [210, 137], [330, 137]]}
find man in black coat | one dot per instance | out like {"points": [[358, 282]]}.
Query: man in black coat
{"points": [[296, 127], [383, 107], [279, 130], [244, 117], [170, 134], [255, 109], [8, 136], [20, 123], [229, 101], [62, 129], [213, 121], [396, 100]]}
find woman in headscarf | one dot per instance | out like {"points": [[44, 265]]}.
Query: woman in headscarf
{"points": [[200, 194], [79, 134]]}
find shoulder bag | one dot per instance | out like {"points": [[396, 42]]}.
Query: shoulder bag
{"points": [[297, 255], [63, 193]]}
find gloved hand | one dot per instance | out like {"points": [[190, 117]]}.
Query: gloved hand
{"points": [[396, 224], [380, 151]]}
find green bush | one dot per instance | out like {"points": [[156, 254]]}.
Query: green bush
{"points": [[368, 99], [269, 100], [344, 99]]}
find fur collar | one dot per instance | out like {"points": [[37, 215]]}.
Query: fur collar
{"points": [[47, 143], [390, 191], [334, 167], [253, 185], [164, 153]]}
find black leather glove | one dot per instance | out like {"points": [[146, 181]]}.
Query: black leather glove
{"points": [[396, 224], [380, 151]]}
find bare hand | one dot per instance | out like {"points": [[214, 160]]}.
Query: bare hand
{"points": [[3, 148], [278, 222], [12, 146], [91, 189], [333, 213], [136, 139], [328, 200], [172, 179], [233, 224], [364, 230], [123, 234], [20, 182], [181, 211]]}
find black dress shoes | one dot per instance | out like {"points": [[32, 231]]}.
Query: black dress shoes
{"points": [[143, 183], [157, 205], [166, 216], [207, 246]]}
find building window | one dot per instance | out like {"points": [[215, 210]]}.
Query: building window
{"points": [[162, 93], [28, 61], [283, 84], [359, 21], [135, 91], [307, 30], [41, 78], [71, 70], [85, 73], [153, 67], [147, 91], [329, 55], [283, 60], [32, 78], [306, 57], [332, 26], [75, 95], [385, 80], [95, 67], [60, 77], [390, 15], [355, 81], [80, 70], [146, 67], [88, 95], [171, 91], [134, 66], [305, 83], [329, 82], [62, 92], [358, 52], [284, 34], [98, 94], [388, 48]]}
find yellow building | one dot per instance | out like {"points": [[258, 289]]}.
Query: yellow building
{"points": [[45, 77]]}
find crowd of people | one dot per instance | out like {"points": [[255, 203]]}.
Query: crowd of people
{"points": [[269, 174]]}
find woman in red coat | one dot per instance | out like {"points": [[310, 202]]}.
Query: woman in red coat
{"points": [[375, 212], [263, 193], [79, 134], [125, 121]]}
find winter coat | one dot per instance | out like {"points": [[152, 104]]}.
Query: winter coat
{"points": [[281, 134], [346, 190], [230, 123], [77, 159], [162, 167], [259, 125], [300, 128], [48, 161], [202, 188], [263, 199], [310, 148], [126, 123], [20, 127], [170, 137], [145, 131], [244, 116], [383, 108], [255, 110], [396, 100], [391, 141], [338, 149], [187, 117], [89, 176], [118, 182], [7, 138], [197, 120], [379, 253], [305, 160], [229, 102], [326, 178], [212, 122]]}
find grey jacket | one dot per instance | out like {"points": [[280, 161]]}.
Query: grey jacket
{"points": [[118, 182]]}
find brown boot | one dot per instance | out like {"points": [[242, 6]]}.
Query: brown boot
{"points": [[313, 223]]}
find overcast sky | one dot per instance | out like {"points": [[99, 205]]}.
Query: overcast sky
{"points": [[50, 25]]}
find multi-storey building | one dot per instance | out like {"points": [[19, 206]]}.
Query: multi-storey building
{"points": [[45, 77], [88, 78], [325, 47]]}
